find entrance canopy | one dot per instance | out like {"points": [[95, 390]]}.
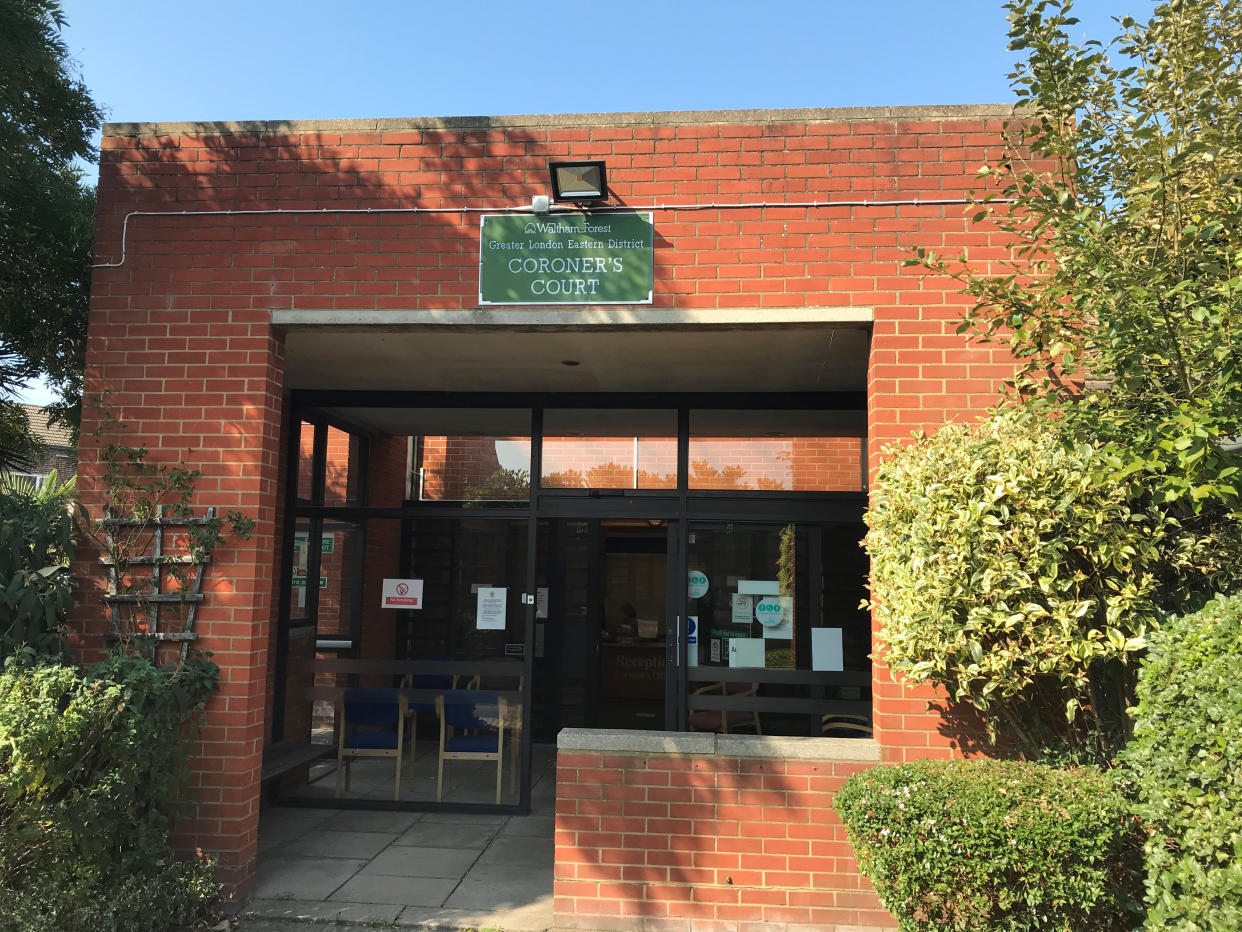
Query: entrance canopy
{"points": [[586, 350]]}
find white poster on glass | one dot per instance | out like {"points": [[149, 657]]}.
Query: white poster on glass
{"points": [[826, 653], [491, 610], [747, 652], [743, 609]]}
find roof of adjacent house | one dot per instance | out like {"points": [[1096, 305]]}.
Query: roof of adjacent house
{"points": [[54, 435]]}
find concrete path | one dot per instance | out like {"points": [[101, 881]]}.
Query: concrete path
{"points": [[324, 868]]}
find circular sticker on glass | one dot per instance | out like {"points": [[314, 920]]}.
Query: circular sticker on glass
{"points": [[698, 584], [770, 611]]}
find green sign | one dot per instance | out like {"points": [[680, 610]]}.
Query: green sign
{"points": [[565, 258]]}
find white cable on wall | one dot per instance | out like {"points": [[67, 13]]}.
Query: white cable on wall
{"points": [[526, 209]]}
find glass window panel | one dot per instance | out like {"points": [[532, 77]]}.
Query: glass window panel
{"points": [[609, 449], [472, 468], [447, 649], [306, 449], [777, 451], [764, 565], [468, 454], [757, 593], [342, 468]]}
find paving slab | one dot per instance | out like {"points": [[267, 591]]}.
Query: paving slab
{"points": [[531, 826], [502, 891], [394, 823], [409, 861], [406, 891], [516, 851], [298, 878], [469, 818], [448, 835], [534, 917], [326, 844]]}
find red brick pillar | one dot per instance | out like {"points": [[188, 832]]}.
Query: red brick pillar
{"points": [[200, 388]]}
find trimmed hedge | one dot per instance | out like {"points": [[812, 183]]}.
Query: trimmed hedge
{"points": [[1186, 762], [92, 768], [984, 846]]}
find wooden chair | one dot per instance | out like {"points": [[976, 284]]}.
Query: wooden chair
{"points": [[371, 723], [472, 727], [837, 725], [717, 719]]}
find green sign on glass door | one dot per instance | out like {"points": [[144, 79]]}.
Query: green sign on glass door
{"points": [[565, 258]]}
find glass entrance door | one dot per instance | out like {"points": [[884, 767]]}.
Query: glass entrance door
{"points": [[604, 624]]}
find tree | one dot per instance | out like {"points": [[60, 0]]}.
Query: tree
{"points": [[47, 120], [1021, 568], [1123, 300]]}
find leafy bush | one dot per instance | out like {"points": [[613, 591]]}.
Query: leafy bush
{"points": [[91, 771], [36, 542], [1005, 571], [995, 845], [1186, 759]]}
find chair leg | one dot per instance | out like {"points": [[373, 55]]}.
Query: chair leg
{"points": [[500, 766], [340, 772], [513, 759], [413, 737], [440, 780], [396, 787]]}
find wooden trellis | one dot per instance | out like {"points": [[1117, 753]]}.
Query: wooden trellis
{"points": [[186, 598]]}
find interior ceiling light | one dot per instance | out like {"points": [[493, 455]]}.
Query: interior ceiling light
{"points": [[579, 181]]}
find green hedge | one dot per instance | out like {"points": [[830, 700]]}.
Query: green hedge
{"points": [[92, 768], [995, 845], [1186, 760]]}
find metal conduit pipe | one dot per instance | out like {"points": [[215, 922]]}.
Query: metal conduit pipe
{"points": [[526, 209]]}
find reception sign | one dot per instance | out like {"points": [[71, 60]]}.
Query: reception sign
{"points": [[566, 258]]}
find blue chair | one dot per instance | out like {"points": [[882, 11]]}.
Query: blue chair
{"points": [[371, 723], [429, 681], [472, 727]]}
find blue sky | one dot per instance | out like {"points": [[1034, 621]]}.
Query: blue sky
{"points": [[174, 60]]}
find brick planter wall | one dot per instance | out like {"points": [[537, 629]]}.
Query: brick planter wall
{"points": [[665, 831]]}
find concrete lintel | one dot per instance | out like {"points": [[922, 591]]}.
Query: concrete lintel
{"points": [[705, 744], [590, 318], [558, 120]]}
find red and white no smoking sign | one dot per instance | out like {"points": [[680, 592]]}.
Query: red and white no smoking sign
{"points": [[402, 593]]}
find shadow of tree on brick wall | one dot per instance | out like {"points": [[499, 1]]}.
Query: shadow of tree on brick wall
{"points": [[250, 223], [705, 838]]}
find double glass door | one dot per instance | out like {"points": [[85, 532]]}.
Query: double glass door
{"points": [[605, 624]]}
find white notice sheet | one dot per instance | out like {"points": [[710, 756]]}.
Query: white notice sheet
{"points": [[491, 614]]}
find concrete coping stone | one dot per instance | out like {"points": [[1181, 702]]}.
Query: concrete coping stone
{"points": [[700, 743], [574, 120], [706, 744]]}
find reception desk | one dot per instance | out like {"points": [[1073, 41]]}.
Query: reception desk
{"points": [[631, 684]]}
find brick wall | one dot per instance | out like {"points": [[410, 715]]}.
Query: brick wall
{"points": [[201, 389], [689, 833], [181, 330]]}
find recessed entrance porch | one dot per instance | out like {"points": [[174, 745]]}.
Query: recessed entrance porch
{"points": [[625, 558]]}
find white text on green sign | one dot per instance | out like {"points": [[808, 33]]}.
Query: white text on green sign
{"points": [[566, 259]]}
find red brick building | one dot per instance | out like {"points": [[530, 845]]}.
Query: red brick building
{"points": [[295, 310]]}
